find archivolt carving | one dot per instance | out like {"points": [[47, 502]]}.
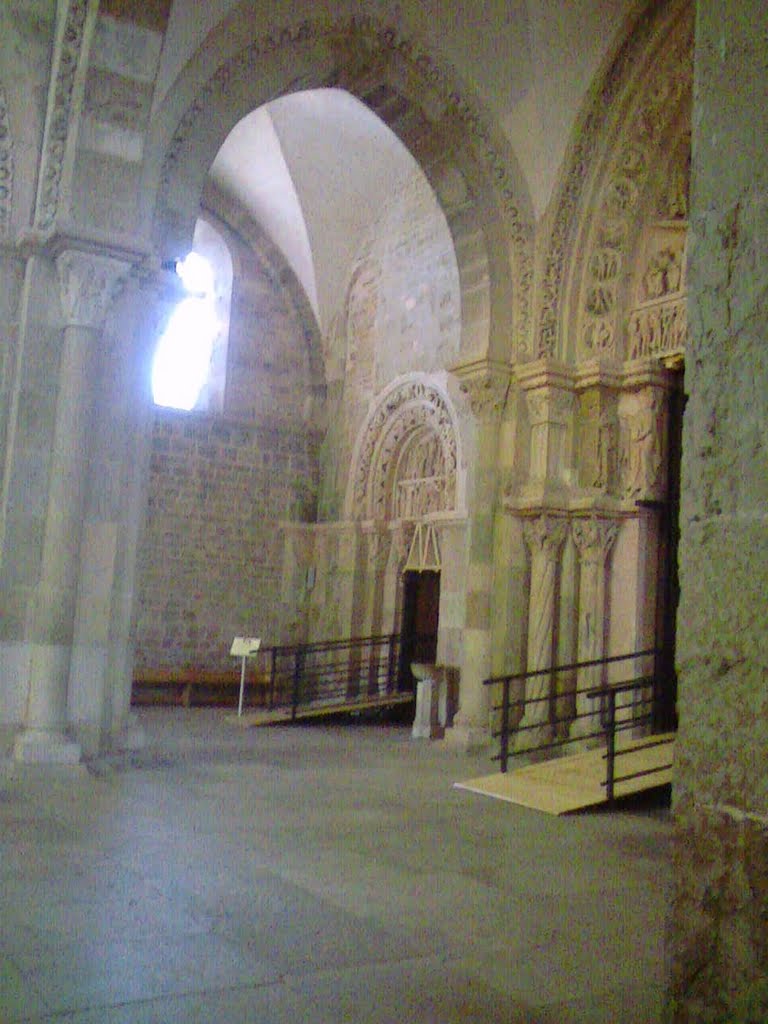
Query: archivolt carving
{"points": [[407, 461], [6, 166], [60, 112], [372, 44], [623, 183], [619, 202]]}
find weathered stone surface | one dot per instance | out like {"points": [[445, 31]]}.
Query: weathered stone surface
{"points": [[210, 560]]}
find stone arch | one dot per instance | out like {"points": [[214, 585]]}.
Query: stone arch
{"points": [[467, 161], [6, 166], [644, 91], [411, 429]]}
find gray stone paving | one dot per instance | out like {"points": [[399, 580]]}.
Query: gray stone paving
{"points": [[321, 874]]}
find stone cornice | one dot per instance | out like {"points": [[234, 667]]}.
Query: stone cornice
{"points": [[50, 243], [598, 373], [543, 373]]}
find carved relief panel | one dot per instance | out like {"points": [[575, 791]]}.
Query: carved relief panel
{"points": [[643, 440], [658, 322]]}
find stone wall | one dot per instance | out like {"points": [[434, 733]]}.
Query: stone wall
{"points": [[210, 561], [718, 938]]}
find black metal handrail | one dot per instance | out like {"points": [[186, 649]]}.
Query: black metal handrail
{"points": [[512, 710], [330, 671], [611, 729], [607, 693]]}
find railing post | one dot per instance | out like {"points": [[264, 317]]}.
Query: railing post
{"points": [[610, 763], [504, 750], [298, 665], [391, 663], [272, 677]]}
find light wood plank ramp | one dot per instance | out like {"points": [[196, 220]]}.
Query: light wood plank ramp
{"points": [[282, 715], [574, 782]]}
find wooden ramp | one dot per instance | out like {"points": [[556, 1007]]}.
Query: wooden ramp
{"points": [[321, 709], [574, 782]]}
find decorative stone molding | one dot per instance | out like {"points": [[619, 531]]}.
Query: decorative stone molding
{"points": [[70, 56], [486, 385], [88, 285], [368, 47], [6, 167], [413, 418]]}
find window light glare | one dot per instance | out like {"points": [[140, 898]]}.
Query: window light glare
{"points": [[183, 356]]}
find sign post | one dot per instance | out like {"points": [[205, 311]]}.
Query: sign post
{"points": [[244, 647]]}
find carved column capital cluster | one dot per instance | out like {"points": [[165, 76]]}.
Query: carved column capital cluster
{"points": [[594, 538], [545, 535], [88, 284]]}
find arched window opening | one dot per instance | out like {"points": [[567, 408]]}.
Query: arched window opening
{"points": [[189, 369]]}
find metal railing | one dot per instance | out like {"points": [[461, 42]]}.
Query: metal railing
{"points": [[612, 754], [560, 729], [331, 671]]}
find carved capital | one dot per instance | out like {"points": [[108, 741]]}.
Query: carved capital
{"points": [[88, 284], [545, 535], [485, 383], [594, 538]]}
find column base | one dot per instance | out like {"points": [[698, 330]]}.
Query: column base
{"points": [[43, 746], [130, 735], [469, 737]]}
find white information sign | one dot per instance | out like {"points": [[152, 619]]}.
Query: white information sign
{"points": [[244, 647]]}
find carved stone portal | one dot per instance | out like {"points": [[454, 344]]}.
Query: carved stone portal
{"points": [[407, 460]]}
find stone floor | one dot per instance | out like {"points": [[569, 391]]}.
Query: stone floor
{"points": [[317, 874]]}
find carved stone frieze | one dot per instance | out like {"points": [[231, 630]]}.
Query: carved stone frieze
{"points": [[6, 167], [88, 285], [67, 58], [368, 46], [658, 329]]}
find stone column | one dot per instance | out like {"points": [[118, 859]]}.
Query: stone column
{"points": [[102, 656], [594, 539], [486, 386], [544, 537], [716, 943], [86, 284]]}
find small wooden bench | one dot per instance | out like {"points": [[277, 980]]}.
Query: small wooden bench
{"points": [[198, 687]]}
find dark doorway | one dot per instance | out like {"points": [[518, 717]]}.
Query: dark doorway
{"points": [[665, 696], [418, 636]]}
